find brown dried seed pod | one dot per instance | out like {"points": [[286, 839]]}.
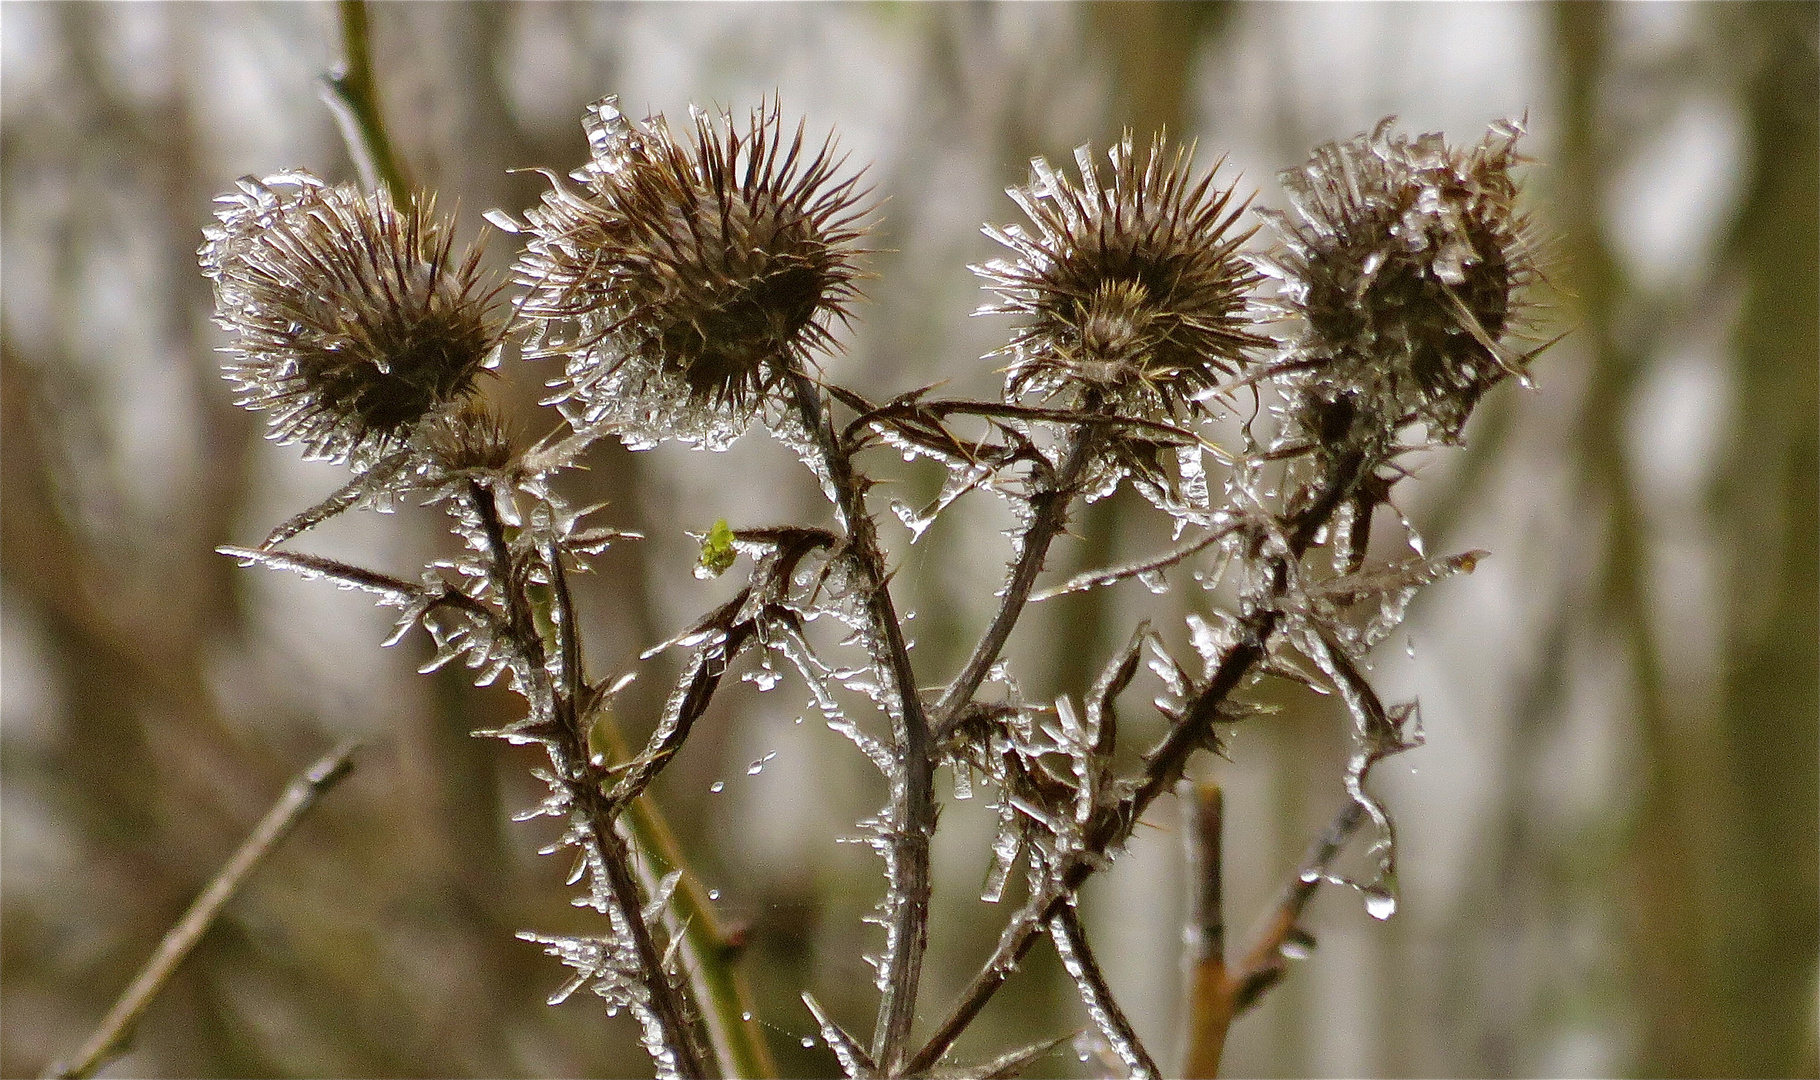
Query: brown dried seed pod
{"points": [[1132, 289], [689, 276], [1404, 261], [351, 320], [471, 438]]}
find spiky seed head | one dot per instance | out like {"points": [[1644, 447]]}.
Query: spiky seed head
{"points": [[689, 275], [1405, 262], [351, 319], [1130, 287], [471, 438]]}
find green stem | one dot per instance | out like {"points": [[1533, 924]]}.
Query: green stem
{"points": [[351, 93], [709, 954]]}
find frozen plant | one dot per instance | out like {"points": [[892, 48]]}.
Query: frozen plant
{"points": [[683, 286]]}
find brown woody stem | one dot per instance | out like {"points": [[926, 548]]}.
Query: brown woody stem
{"points": [[1048, 517], [1209, 985], [912, 811]]}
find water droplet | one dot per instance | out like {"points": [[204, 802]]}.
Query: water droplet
{"points": [[746, 1016], [1380, 903], [718, 786], [714, 894], [1298, 944], [1410, 648], [808, 1041], [759, 766]]}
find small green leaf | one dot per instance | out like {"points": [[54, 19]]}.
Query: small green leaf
{"points": [[717, 552]]}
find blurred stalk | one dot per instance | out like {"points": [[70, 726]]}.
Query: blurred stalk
{"points": [[1721, 874], [115, 1032], [353, 96], [1668, 931], [1764, 499]]}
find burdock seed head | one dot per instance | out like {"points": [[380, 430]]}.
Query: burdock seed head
{"points": [[691, 274], [351, 320], [1405, 263], [1131, 288]]}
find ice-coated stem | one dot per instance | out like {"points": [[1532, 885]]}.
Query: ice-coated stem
{"points": [[1048, 517], [912, 811], [1163, 767], [729, 1009], [1070, 939], [569, 753]]}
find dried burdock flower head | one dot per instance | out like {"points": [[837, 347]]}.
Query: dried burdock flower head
{"points": [[690, 275], [351, 319], [1405, 262], [473, 438], [1132, 289]]}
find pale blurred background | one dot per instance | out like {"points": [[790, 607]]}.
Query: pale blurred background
{"points": [[1609, 843]]}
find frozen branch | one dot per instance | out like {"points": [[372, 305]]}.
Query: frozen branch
{"points": [[1077, 957], [911, 824]]}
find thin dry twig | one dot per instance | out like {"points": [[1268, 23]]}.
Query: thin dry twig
{"points": [[1264, 961], [1209, 983], [1219, 993], [116, 1029]]}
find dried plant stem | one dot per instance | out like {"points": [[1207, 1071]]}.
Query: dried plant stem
{"points": [[1048, 517], [570, 755], [111, 1037], [1162, 769], [912, 811], [1209, 986], [1070, 939]]}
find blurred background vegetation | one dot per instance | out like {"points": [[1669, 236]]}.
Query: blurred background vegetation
{"points": [[1610, 840]]}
